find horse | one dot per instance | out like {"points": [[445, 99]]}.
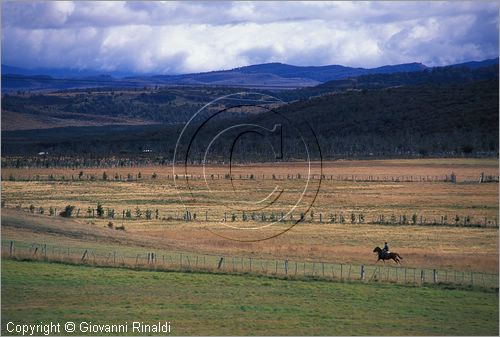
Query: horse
{"points": [[387, 256]]}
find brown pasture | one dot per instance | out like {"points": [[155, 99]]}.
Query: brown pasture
{"points": [[450, 247]]}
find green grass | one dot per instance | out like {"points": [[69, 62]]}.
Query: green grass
{"points": [[228, 304]]}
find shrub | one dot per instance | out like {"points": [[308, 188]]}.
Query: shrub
{"points": [[68, 211], [110, 225], [99, 210], [110, 212]]}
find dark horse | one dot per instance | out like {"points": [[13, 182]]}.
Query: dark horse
{"points": [[389, 256]]}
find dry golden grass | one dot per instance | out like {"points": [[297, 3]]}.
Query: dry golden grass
{"points": [[437, 247], [462, 167], [421, 246]]}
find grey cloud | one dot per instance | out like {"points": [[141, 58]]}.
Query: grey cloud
{"points": [[174, 37]]}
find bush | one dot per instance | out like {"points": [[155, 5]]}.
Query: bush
{"points": [[68, 211], [110, 225], [100, 210], [120, 228], [110, 212]]}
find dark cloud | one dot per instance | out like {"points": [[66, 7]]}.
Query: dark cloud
{"points": [[172, 37]]}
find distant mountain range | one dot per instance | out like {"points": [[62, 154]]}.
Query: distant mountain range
{"points": [[285, 73], [267, 75]]}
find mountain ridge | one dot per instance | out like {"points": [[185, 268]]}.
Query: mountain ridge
{"points": [[266, 75]]}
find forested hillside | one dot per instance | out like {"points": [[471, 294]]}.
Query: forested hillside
{"points": [[410, 121]]}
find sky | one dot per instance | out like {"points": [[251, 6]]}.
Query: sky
{"points": [[173, 37]]}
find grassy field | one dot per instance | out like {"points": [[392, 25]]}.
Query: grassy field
{"points": [[206, 303], [448, 247], [460, 249], [227, 304]]}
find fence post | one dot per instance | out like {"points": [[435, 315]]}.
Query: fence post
{"points": [[84, 255], [422, 276], [341, 267], [286, 267], [11, 248], [362, 272], [220, 262], [434, 276], [472, 278]]}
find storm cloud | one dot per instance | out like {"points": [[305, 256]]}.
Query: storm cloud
{"points": [[174, 37]]}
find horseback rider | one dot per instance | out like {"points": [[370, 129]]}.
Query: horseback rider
{"points": [[385, 251]]}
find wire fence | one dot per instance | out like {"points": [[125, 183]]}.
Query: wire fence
{"points": [[115, 177], [354, 217], [288, 268]]}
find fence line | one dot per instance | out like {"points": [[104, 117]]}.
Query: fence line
{"points": [[348, 218], [182, 261], [451, 178]]}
